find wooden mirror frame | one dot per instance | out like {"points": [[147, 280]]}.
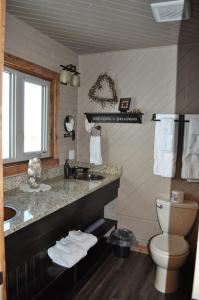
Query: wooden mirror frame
{"points": [[30, 68]]}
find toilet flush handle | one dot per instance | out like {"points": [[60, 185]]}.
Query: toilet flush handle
{"points": [[159, 205]]}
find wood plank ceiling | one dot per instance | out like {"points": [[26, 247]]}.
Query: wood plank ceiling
{"points": [[89, 26]]}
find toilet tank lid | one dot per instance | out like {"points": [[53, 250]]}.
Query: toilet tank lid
{"points": [[185, 204]]}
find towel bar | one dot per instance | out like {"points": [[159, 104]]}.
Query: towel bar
{"points": [[180, 120]]}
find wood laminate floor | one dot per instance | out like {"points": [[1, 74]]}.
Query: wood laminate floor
{"points": [[129, 279]]}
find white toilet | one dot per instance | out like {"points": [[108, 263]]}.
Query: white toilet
{"points": [[169, 250]]}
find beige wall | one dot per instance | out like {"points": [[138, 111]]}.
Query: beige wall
{"points": [[24, 41], [149, 77]]}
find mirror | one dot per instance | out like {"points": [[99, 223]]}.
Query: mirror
{"points": [[69, 125]]}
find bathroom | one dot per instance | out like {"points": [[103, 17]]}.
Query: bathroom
{"points": [[156, 64]]}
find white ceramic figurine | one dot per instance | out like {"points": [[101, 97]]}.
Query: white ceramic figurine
{"points": [[34, 172]]}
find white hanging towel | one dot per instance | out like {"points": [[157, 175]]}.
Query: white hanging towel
{"points": [[66, 255], [190, 155], [165, 145], [95, 150]]}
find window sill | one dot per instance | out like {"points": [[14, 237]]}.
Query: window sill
{"points": [[21, 167]]}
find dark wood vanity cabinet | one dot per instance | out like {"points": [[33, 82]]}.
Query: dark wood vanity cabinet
{"points": [[30, 272]]}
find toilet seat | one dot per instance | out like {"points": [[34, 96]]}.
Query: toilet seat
{"points": [[169, 245]]}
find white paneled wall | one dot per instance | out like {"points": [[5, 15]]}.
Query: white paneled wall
{"points": [[24, 41], [149, 77], [89, 26]]}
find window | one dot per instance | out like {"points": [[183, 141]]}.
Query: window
{"points": [[29, 114], [6, 115], [25, 116]]}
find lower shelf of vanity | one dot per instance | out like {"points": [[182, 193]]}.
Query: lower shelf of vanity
{"points": [[39, 278]]}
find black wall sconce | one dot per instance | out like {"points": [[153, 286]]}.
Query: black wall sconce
{"points": [[70, 75], [69, 127]]}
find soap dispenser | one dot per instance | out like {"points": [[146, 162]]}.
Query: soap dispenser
{"points": [[66, 170]]}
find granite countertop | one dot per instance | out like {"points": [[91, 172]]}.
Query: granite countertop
{"points": [[34, 206]]}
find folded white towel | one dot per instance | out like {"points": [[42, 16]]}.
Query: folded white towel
{"points": [[190, 156], [83, 239], [165, 145], [95, 150], [193, 180], [193, 124], [166, 137], [192, 144], [68, 255], [167, 125], [68, 245], [192, 134]]}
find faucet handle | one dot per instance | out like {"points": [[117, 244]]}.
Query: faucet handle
{"points": [[83, 169]]}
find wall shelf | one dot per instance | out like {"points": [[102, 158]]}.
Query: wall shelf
{"points": [[107, 117]]}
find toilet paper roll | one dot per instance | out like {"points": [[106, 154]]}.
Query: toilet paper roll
{"points": [[177, 196]]}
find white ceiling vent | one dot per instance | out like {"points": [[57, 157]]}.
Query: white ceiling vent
{"points": [[173, 10]]}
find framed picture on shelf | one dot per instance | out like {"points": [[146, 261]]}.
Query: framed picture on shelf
{"points": [[124, 104]]}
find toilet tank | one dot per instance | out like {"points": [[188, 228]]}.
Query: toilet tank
{"points": [[176, 218]]}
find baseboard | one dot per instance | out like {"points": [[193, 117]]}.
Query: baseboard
{"points": [[140, 249]]}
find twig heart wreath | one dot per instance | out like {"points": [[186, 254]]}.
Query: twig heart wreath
{"points": [[98, 86]]}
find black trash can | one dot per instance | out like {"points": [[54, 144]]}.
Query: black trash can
{"points": [[121, 239]]}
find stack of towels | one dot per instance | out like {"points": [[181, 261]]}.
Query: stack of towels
{"points": [[71, 249]]}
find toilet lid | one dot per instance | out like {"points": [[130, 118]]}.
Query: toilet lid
{"points": [[169, 244]]}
